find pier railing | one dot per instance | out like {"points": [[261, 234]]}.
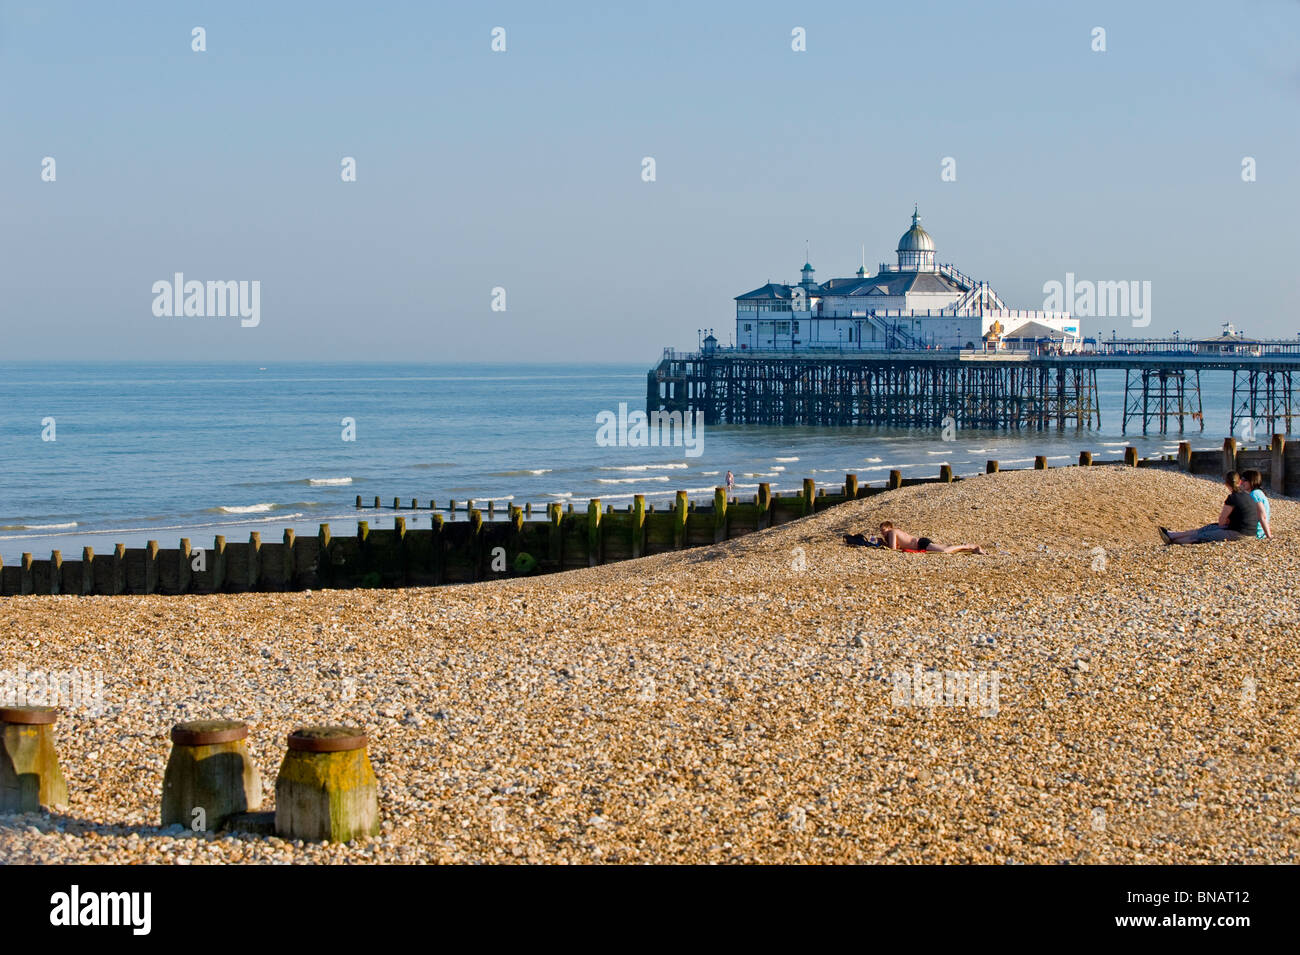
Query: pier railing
{"points": [[478, 549]]}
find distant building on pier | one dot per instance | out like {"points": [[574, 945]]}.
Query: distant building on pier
{"points": [[916, 304]]}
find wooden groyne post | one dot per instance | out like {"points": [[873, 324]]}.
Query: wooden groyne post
{"points": [[326, 788], [210, 776], [30, 775], [1277, 465]]}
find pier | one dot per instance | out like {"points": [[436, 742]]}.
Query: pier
{"points": [[1034, 389]]}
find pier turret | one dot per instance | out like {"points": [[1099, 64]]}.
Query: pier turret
{"points": [[916, 248]]}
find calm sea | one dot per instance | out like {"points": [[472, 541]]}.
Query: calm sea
{"points": [[163, 451]]}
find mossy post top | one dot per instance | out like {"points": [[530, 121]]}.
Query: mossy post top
{"points": [[209, 732], [326, 739]]}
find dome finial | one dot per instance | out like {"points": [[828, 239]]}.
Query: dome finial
{"points": [[916, 217]]}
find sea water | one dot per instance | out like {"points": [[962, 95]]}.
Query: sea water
{"points": [[100, 453]]}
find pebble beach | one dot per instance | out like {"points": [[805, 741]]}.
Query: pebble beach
{"points": [[739, 703]]}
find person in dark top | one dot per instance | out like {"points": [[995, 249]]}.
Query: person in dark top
{"points": [[1238, 519]]}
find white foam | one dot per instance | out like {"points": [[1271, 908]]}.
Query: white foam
{"points": [[328, 481], [635, 480], [644, 467], [248, 509], [38, 527], [785, 459]]}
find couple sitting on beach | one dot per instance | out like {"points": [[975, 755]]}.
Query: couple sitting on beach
{"points": [[895, 539], [1244, 514]]}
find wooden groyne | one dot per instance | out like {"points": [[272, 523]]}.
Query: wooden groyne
{"points": [[452, 552]]}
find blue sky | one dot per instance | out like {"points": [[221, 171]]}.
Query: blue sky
{"points": [[522, 169]]}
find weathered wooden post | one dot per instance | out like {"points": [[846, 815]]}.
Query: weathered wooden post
{"points": [[254, 560], [451, 508], [851, 487], [1085, 459], [945, 473], [1184, 455], [30, 776], [218, 563], [679, 521], [415, 505], [476, 540], [184, 566], [397, 503], [1040, 462], [56, 571], [88, 568], [555, 534], [376, 501], [358, 500], [593, 532], [492, 508], [288, 562], [326, 788], [437, 548], [27, 581], [895, 480], [363, 549], [325, 559], [764, 502], [210, 775], [1131, 457], [399, 545], [117, 576], [991, 467], [638, 525], [809, 495], [1229, 455], [1277, 465], [719, 514], [151, 567]]}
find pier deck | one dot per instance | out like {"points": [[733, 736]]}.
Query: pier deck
{"points": [[971, 389]]}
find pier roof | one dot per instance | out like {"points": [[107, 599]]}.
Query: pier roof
{"points": [[894, 283], [770, 291]]}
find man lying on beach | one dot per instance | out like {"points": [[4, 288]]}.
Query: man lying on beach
{"points": [[901, 540], [1239, 518]]}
